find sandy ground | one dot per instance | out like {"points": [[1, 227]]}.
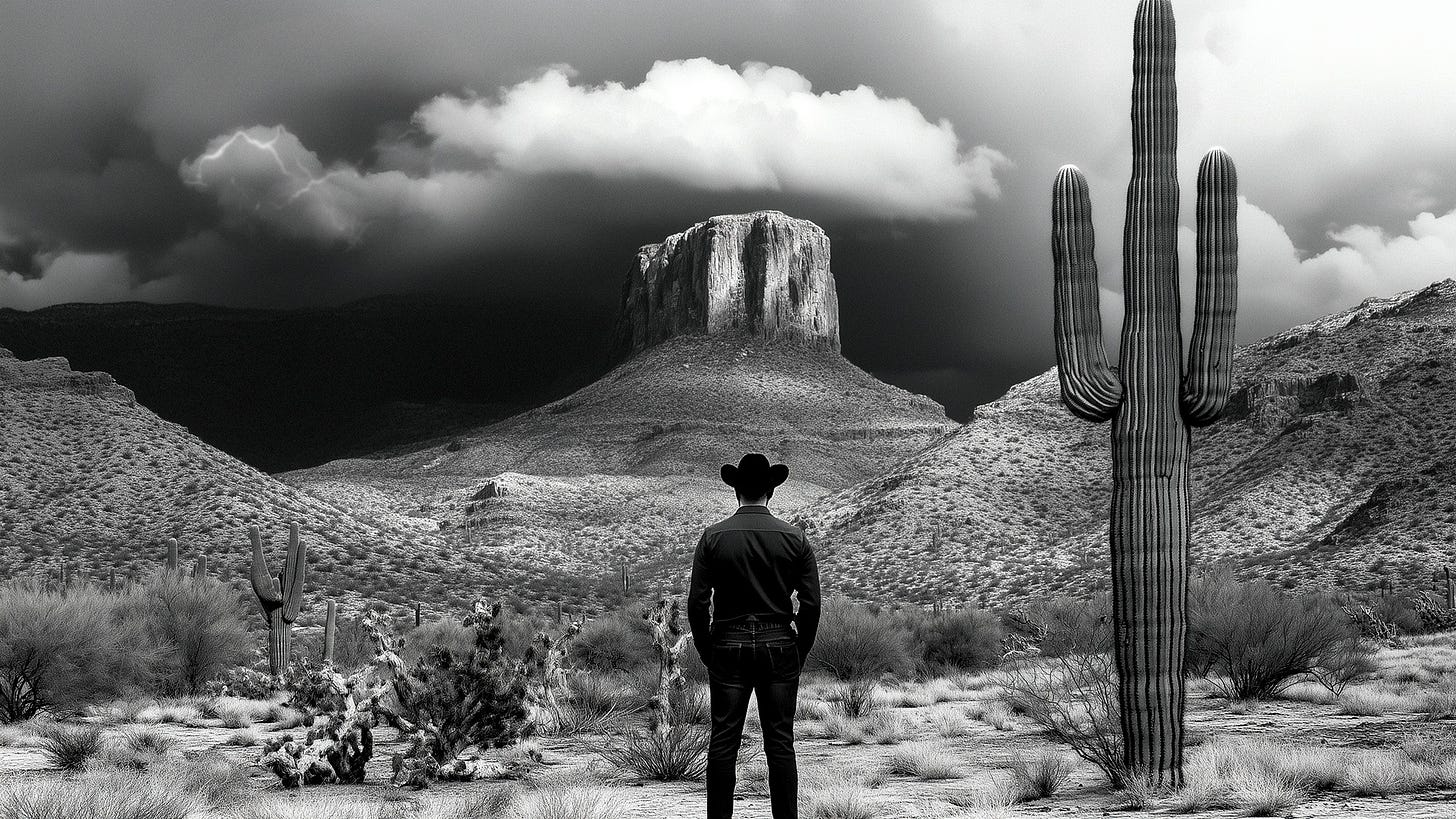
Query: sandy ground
{"points": [[984, 753]]}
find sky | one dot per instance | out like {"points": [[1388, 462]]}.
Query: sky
{"points": [[253, 153]]}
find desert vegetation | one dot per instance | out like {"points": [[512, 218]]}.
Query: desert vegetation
{"points": [[499, 711]]}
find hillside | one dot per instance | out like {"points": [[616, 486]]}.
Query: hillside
{"points": [[94, 481], [1332, 468], [626, 469]]}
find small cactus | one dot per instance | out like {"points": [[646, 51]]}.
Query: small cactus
{"points": [[279, 597], [173, 567], [330, 621]]}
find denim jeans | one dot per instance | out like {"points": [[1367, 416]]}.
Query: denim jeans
{"points": [[762, 659]]}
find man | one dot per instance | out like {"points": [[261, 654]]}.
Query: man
{"points": [[747, 566]]}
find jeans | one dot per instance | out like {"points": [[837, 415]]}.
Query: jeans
{"points": [[758, 658]]}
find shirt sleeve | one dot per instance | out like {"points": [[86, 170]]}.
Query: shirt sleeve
{"points": [[807, 587], [700, 594]]}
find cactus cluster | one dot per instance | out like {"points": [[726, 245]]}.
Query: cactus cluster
{"points": [[279, 597], [1152, 398]]}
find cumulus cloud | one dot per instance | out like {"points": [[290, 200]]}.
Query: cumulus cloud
{"points": [[1279, 287], [690, 123], [707, 126]]}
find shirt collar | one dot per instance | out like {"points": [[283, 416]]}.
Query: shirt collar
{"points": [[753, 508]]}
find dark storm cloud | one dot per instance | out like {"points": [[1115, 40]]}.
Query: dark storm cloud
{"points": [[445, 145]]}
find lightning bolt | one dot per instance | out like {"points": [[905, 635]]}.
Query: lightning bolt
{"points": [[300, 180]]}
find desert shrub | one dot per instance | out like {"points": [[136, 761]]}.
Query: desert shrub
{"points": [[1400, 611], [855, 698], [197, 623], [923, 762], [1040, 776], [854, 643], [1344, 663], [617, 642], [680, 752], [243, 683], [1072, 697], [99, 798], [476, 697], [62, 649], [1063, 624], [69, 747], [1259, 638], [449, 634], [957, 640]]}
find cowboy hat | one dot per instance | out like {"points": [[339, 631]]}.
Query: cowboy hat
{"points": [[753, 476]]}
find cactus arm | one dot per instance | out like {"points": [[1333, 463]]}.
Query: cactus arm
{"points": [[293, 576], [1206, 384], [264, 584], [1090, 389]]}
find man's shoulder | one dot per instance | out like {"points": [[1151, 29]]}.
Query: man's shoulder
{"points": [[754, 522]]}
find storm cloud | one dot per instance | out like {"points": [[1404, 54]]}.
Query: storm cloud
{"points": [[275, 153]]}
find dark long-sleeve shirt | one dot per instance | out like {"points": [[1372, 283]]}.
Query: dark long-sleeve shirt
{"points": [[749, 564]]}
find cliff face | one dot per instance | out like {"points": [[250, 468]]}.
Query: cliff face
{"points": [[763, 273]]}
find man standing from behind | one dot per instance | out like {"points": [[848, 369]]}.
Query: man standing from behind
{"points": [[747, 565]]}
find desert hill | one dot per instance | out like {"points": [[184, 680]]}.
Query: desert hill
{"points": [[1332, 468], [95, 482]]}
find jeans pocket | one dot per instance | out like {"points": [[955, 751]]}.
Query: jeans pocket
{"points": [[785, 661]]}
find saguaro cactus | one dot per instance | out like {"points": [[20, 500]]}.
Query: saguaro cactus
{"points": [[1450, 588], [279, 597], [1152, 398]]}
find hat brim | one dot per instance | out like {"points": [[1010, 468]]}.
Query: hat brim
{"points": [[733, 476]]}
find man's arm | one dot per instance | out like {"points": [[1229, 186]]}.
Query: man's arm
{"points": [[700, 594], [807, 587]]}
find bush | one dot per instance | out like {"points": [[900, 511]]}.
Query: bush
{"points": [[197, 622], [1261, 639], [855, 644], [617, 642], [243, 683], [957, 640], [474, 697], [69, 747], [449, 634], [1073, 696], [63, 649], [680, 752], [1065, 625]]}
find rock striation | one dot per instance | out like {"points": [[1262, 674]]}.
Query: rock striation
{"points": [[763, 273]]}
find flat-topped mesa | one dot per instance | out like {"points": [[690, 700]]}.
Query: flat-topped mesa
{"points": [[763, 273]]}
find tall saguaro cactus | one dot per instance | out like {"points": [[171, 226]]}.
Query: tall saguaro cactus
{"points": [[1152, 398], [279, 597]]}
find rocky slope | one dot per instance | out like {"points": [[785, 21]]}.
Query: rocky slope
{"points": [[1334, 467], [94, 481]]}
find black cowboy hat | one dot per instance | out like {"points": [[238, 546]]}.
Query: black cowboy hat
{"points": [[753, 476]]}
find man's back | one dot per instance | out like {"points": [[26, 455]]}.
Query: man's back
{"points": [[748, 565]]}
